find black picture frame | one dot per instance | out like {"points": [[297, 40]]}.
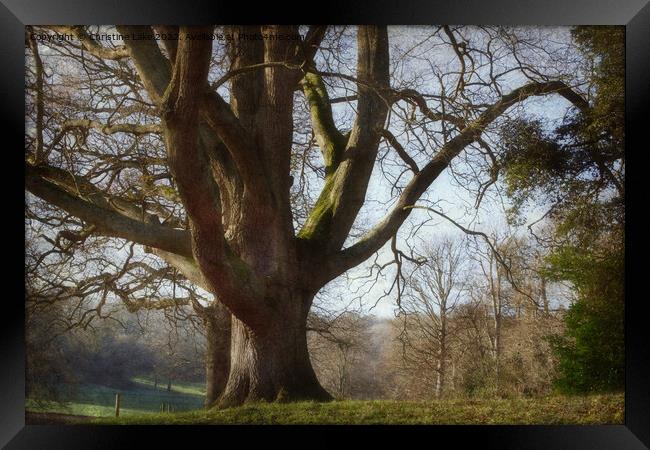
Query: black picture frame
{"points": [[634, 14]]}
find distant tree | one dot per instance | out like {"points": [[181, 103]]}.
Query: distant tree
{"points": [[579, 168], [345, 356], [493, 288], [48, 374], [591, 351], [436, 286], [179, 350]]}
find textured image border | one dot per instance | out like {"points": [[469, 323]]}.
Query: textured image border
{"points": [[633, 14]]}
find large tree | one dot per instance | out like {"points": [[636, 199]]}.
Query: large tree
{"points": [[220, 204]]}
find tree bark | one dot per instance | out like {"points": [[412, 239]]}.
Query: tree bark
{"points": [[217, 358], [271, 362]]}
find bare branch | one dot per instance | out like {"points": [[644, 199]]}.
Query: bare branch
{"points": [[107, 221], [392, 140], [192, 173], [377, 236], [136, 129], [91, 45]]}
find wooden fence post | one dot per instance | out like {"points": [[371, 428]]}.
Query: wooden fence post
{"points": [[117, 405]]}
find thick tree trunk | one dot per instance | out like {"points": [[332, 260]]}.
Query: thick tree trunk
{"points": [[217, 358], [271, 363]]}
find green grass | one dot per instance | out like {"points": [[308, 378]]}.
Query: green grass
{"points": [[185, 387], [594, 409], [140, 404], [139, 399]]}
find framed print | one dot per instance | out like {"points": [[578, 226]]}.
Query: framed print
{"points": [[418, 217]]}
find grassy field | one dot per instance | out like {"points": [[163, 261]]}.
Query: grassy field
{"points": [[139, 399], [596, 409], [141, 402]]}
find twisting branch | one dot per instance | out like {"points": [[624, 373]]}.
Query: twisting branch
{"points": [[338, 205], [461, 59], [108, 221], [392, 140], [377, 236], [330, 140], [91, 45], [132, 128], [152, 66], [191, 170], [416, 97]]}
